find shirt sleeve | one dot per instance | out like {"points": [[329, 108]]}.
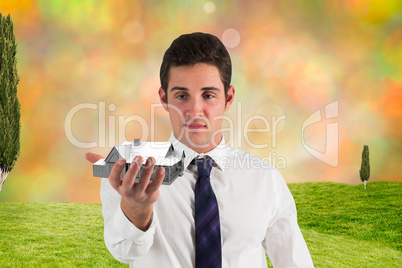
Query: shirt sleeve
{"points": [[284, 242], [124, 241]]}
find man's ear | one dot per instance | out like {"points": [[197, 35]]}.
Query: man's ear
{"points": [[163, 98], [229, 98]]}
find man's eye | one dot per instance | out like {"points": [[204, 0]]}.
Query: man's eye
{"points": [[181, 96], [208, 96]]}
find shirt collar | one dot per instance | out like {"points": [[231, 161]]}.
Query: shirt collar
{"points": [[218, 154]]}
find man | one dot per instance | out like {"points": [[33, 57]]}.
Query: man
{"points": [[250, 208]]}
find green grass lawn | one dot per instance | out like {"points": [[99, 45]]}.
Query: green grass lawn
{"points": [[343, 225]]}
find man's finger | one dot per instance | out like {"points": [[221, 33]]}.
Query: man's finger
{"points": [[93, 158], [129, 178], [157, 181], [115, 174], [146, 174]]}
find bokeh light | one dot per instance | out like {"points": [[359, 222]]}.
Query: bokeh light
{"points": [[290, 59]]}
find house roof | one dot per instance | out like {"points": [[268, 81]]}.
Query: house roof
{"points": [[163, 152]]}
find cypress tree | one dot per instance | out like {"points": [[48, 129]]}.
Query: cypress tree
{"points": [[9, 104], [365, 166]]}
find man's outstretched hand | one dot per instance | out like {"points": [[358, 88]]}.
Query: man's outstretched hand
{"points": [[137, 198]]}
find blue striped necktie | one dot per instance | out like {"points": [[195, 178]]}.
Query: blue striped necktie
{"points": [[208, 251]]}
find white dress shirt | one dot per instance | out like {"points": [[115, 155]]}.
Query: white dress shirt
{"points": [[257, 215]]}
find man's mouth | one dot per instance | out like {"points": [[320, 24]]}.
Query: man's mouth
{"points": [[195, 126]]}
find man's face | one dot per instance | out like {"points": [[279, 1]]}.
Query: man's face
{"points": [[196, 103]]}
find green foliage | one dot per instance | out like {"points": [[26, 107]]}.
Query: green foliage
{"points": [[365, 166], [9, 104], [343, 226]]}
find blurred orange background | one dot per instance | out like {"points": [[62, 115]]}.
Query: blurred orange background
{"points": [[290, 59]]}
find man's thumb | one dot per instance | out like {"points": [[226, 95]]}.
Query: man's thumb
{"points": [[93, 158]]}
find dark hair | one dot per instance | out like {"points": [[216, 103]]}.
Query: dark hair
{"points": [[189, 49]]}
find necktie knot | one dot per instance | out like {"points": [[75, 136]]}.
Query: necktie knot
{"points": [[204, 166]]}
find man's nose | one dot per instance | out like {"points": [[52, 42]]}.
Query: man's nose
{"points": [[195, 108]]}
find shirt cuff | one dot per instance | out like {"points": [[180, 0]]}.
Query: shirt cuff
{"points": [[129, 231]]}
